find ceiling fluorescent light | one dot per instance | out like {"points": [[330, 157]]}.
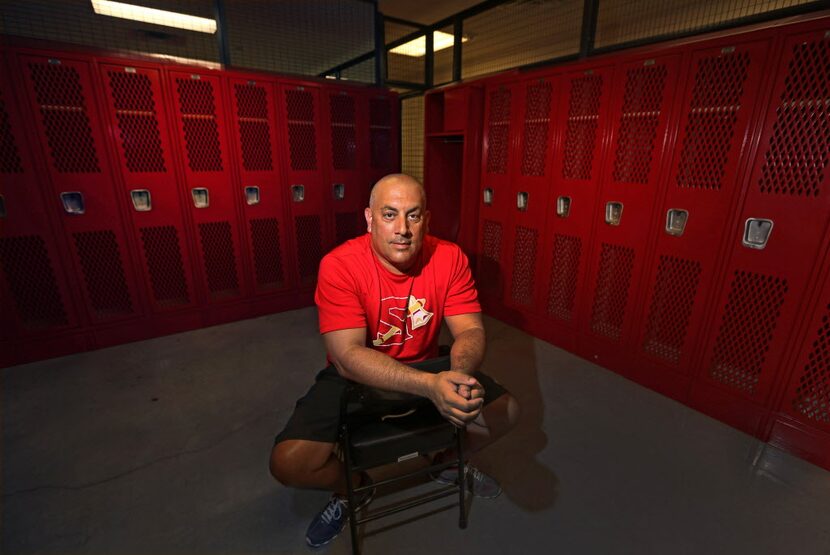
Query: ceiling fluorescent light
{"points": [[418, 47], [157, 17]]}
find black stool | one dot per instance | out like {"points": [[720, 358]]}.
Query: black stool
{"points": [[370, 437]]}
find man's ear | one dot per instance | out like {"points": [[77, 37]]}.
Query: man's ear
{"points": [[367, 213]]}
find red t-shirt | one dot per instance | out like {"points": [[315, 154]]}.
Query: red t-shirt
{"points": [[402, 314]]}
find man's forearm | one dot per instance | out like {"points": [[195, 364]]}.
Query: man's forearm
{"points": [[375, 369], [468, 351]]}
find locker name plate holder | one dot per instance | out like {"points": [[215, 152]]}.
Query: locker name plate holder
{"points": [[613, 213], [563, 207], [252, 195], [338, 191], [201, 197], [522, 199], [676, 219], [756, 233], [298, 193], [2, 207], [141, 200], [73, 203], [488, 196]]}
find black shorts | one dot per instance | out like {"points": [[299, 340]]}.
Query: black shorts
{"points": [[316, 415]]}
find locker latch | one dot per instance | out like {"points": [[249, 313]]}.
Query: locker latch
{"points": [[613, 213], [756, 233], [73, 202], [252, 195], [2, 207], [338, 191], [676, 221], [488, 196], [201, 197], [563, 207], [522, 198], [298, 193], [141, 200]]}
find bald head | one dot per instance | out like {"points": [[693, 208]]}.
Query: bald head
{"points": [[396, 181]]}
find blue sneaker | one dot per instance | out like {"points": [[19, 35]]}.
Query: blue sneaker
{"points": [[478, 483], [333, 518]]}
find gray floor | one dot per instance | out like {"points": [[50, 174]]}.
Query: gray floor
{"points": [[162, 447]]}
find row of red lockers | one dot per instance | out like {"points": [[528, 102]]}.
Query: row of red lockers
{"points": [[141, 198], [664, 212]]}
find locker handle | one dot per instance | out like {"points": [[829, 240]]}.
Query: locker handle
{"points": [[563, 207], [676, 219], [613, 213], [2, 207], [488, 196], [756, 233], [522, 198], [252, 195], [298, 193], [338, 190], [73, 203], [201, 197], [141, 200]]}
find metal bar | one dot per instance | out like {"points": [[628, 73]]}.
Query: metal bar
{"points": [[422, 500], [406, 22], [412, 474], [380, 48], [407, 96], [590, 11], [221, 32], [406, 85], [429, 60], [458, 32], [346, 65]]}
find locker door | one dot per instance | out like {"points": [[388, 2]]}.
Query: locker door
{"points": [[577, 161], [300, 105], [260, 191], [384, 131], [34, 294], [787, 202], [61, 96], [495, 193], [530, 190], [703, 186], [642, 105], [200, 123], [348, 184], [135, 108]]}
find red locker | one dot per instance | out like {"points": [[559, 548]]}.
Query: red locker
{"points": [[581, 122], [259, 189], [207, 189], [300, 110], [348, 183], [61, 95], [136, 115], [35, 298], [710, 154], [495, 193], [642, 104], [775, 245], [384, 134]]}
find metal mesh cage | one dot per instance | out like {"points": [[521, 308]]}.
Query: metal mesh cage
{"points": [[412, 137], [442, 67]]}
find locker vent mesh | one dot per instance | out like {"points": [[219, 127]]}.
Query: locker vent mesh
{"points": [[749, 320], [164, 262], [309, 247], [201, 133], [343, 136], [537, 121], [348, 225], [564, 273], [254, 131], [103, 269], [31, 281], [498, 131], [638, 123], [524, 266], [380, 133], [9, 156], [265, 237], [135, 110], [674, 295], [219, 259], [489, 274], [581, 133], [800, 145], [812, 396], [713, 113], [63, 108], [611, 296], [302, 140]]}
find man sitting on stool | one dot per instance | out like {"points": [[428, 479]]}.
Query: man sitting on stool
{"points": [[381, 298]]}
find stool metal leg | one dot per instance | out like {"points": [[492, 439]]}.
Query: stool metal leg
{"points": [[347, 459], [462, 482]]}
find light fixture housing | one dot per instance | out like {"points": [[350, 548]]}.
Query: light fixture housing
{"points": [[154, 16], [418, 47]]}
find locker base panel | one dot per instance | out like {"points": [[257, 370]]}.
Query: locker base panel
{"points": [[662, 379], [23, 351], [794, 437], [729, 408]]}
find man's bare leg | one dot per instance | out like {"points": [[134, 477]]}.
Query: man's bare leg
{"points": [[309, 464]]}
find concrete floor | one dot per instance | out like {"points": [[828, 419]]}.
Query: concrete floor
{"points": [[162, 447]]}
